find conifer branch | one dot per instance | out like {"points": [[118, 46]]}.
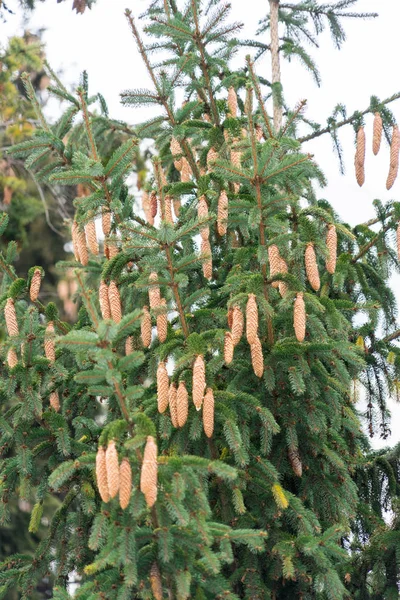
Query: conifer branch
{"points": [[261, 102], [88, 125], [372, 242]]}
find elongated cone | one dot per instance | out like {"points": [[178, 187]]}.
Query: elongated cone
{"points": [[394, 158], [312, 267], [212, 156], [295, 461], [182, 404], [49, 348], [145, 327], [155, 582], [259, 132], [202, 213], [55, 401], [391, 178], [125, 483], [237, 325], [177, 206], [377, 136], [175, 147], [359, 159], [251, 319], [168, 209], [257, 358], [162, 387], [34, 288], [106, 222], [162, 322], [75, 248], [112, 467], [153, 204], [145, 202], [236, 157], [128, 345], [104, 301], [199, 381], [207, 264], [232, 102], [186, 171], [148, 475], [331, 245], [274, 263], [154, 291], [115, 302], [81, 245], [91, 237], [11, 318], [12, 359], [208, 413], [173, 404], [229, 348], [360, 174], [398, 239], [229, 317], [222, 213], [299, 320], [283, 268], [101, 474]]}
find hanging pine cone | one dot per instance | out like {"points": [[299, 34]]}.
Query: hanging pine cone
{"points": [[168, 209], [81, 245], [274, 263], [259, 132], [11, 318], [331, 245], [34, 288], [208, 413], [49, 348], [55, 401], [175, 147], [199, 381], [177, 206], [91, 237], [115, 302], [394, 158], [232, 102], [162, 321], [186, 171], [112, 250], [202, 213], [106, 222], [251, 319], [212, 156], [128, 345], [182, 404], [312, 267], [295, 461], [145, 327], [237, 325], [359, 160], [153, 204], [283, 268], [148, 475], [74, 229], [162, 387], [229, 348], [145, 202], [207, 264], [101, 474], [300, 317], [154, 291], [112, 467], [222, 213], [12, 359], [257, 358], [173, 404], [104, 301], [125, 483], [155, 582], [377, 136], [229, 317], [360, 174]]}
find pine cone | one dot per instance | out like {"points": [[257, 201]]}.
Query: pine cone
{"points": [[163, 179], [49, 348], [162, 387], [274, 263], [175, 147], [295, 461], [178, 164], [391, 178], [394, 158], [34, 288], [112, 467], [377, 136], [173, 404], [145, 327], [11, 318], [232, 102], [300, 317], [7, 194], [112, 250], [237, 325], [182, 404], [283, 268], [128, 345], [251, 319], [91, 237], [212, 156], [154, 291], [162, 321], [104, 301], [199, 381], [12, 358], [222, 213], [229, 317], [360, 147], [55, 401], [331, 244], [360, 174], [259, 132], [125, 483], [145, 202], [74, 230], [101, 474], [208, 413], [106, 222], [155, 582], [207, 264], [202, 213], [168, 210], [153, 204], [186, 171], [177, 206], [312, 267], [115, 302], [257, 358], [148, 475], [81, 245], [229, 348]]}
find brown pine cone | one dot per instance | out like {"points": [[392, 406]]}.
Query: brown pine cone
{"points": [[331, 245], [112, 467], [177, 206], [173, 404], [12, 358], [55, 401], [208, 413], [101, 474], [199, 381], [207, 264], [257, 358], [106, 222], [74, 229], [155, 582], [153, 204], [229, 348], [80, 239], [175, 147], [125, 483], [49, 347], [182, 404], [237, 325], [148, 475], [274, 263], [128, 345], [34, 288], [283, 268], [377, 136], [295, 461], [202, 213], [299, 317], [145, 327], [115, 302], [312, 267], [360, 147], [162, 321], [11, 318], [360, 174], [232, 102], [168, 210], [91, 237], [104, 301], [154, 291], [251, 319], [162, 387], [212, 156], [222, 213], [186, 171]]}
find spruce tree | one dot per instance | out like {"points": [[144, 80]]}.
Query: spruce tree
{"points": [[198, 423]]}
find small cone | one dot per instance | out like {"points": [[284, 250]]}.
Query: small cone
{"points": [[155, 582], [283, 287], [312, 267], [115, 302], [148, 475], [154, 291], [232, 102], [257, 358], [153, 204], [207, 264], [162, 322], [377, 136], [128, 345], [101, 474], [91, 237], [104, 301], [145, 327], [125, 483], [49, 348], [34, 288], [295, 461], [175, 147], [186, 171], [199, 381], [162, 387], [55, 401], [274, 263], [182, 404], [12, 359], [222, 213], [237, 325], [11, 318], [173, 404], [251, 319], [398, 239], [208, 413], [202, 213], [106, 222], [212, 156], [229, 348], [299, 317], [168, 210], [81, 245], [331, 245], [112, 467], [177, 206], [75, 248]]}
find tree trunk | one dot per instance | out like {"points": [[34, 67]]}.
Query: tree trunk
{"points": [[276, 67]]}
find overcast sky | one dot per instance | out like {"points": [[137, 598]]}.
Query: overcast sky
{"points": [[100, 42]]}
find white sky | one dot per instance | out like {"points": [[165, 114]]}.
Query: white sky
{"points": [[100, 42]]}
